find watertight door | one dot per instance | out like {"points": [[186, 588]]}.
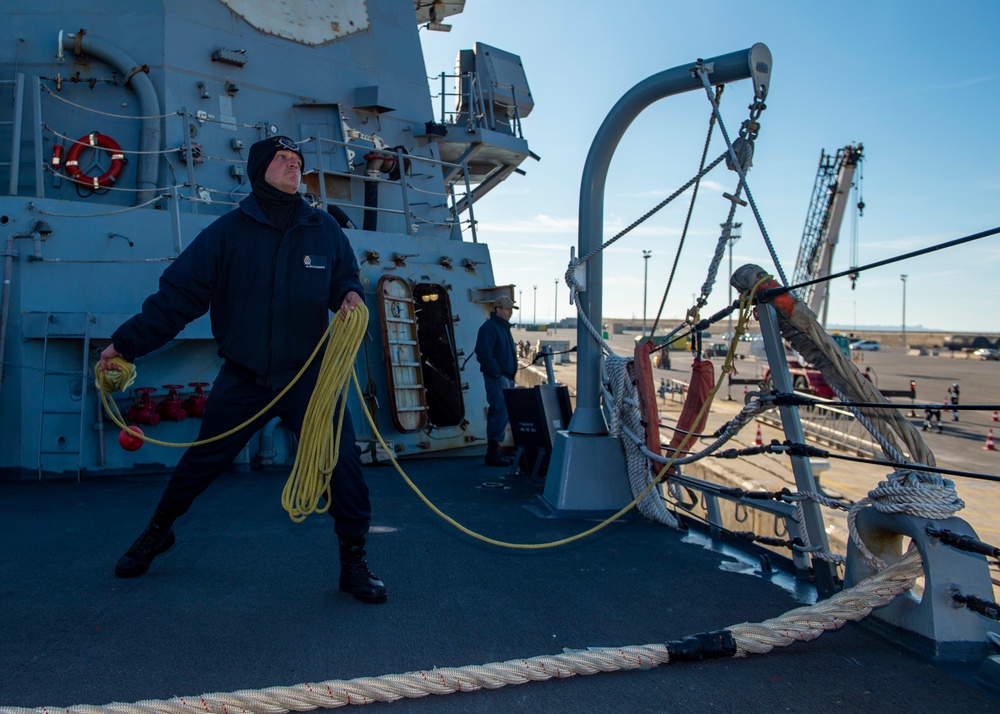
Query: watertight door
{"points": [[408, 399], [439, 355]]}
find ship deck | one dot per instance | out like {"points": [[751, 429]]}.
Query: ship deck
{"points": [[247, 599]]}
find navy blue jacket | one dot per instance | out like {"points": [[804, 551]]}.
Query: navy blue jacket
{"points": [[270, 291], [495, 348]]}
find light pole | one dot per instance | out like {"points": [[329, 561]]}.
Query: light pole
{"points": [[534, 314], [735, 233], [520, 293], [645, 283], [555, 309], [903, 278]]}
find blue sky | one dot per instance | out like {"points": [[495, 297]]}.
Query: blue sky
{"points": [[917, 83]]}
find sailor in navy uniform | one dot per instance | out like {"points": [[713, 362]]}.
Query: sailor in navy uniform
{"points": [[268, 273], [498, 363]]}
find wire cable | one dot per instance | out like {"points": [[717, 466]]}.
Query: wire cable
{"points": [[771, 293]]}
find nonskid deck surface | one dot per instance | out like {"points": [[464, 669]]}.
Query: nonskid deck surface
{"points": [[247, 599]]}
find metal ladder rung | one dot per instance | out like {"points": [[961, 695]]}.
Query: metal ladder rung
{"points": [[402, 342]]}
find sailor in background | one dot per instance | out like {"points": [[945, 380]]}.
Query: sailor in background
{"points": [[932, 418], [953, 399], [269, 272], [498, 362]]}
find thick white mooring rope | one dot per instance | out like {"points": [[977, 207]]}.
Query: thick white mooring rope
{"points": [[799, 625]]}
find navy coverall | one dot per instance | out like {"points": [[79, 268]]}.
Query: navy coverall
{"points": [[269, 293], [498, 363]]}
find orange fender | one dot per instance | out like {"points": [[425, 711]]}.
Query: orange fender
{"points": [[702, 381], [642, 368]]}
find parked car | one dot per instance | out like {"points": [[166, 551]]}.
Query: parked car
{"points": [[866, 345], [987, 353]]}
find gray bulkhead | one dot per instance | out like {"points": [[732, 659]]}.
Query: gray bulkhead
{"points": [[82, 260]]}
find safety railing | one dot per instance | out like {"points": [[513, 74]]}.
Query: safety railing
{"points": [[723, 511], [478, 107], [409, 194], [831, 426], [676, 389], [194, 193]]}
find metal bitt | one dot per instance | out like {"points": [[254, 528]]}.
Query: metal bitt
{"points": [[804, 479], [588, 424], [932, 625]]}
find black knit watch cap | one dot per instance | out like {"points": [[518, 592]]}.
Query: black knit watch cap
{"points": [[263, 151]]}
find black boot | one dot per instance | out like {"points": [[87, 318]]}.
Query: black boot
{"points": [[355, 577], [494, 457], [156, 539]]}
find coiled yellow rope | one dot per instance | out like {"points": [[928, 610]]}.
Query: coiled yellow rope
{"points": [[318, 444]]}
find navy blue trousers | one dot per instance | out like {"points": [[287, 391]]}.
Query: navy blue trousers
{"points": [[496, 413], [232, 400]]}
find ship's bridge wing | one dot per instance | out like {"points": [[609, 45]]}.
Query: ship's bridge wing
{"points": [[483, 131]]}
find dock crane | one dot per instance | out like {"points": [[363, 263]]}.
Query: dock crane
{"points": [[834, 180], [831, 191]]}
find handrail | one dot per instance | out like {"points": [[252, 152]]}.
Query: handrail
{"points": [[712, 493], [825, 424], [479, 106], [451, 200]]}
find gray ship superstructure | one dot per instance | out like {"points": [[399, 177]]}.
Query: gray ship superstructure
{"points": [[127, 135]]}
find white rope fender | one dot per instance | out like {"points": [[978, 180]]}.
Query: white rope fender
{"points": [[627, 419], [799, 625]]}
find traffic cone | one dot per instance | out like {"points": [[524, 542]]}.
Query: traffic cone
{"points": [[759, 440], [989, 441], [995, 417]]}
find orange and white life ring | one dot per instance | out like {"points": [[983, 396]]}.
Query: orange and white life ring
{"points": [[102, 141]]}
